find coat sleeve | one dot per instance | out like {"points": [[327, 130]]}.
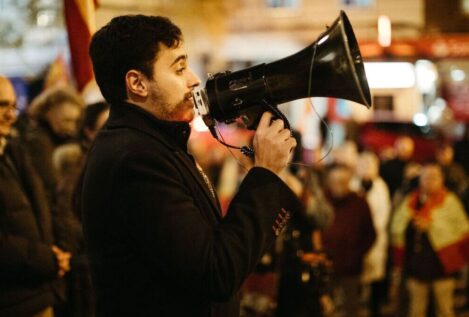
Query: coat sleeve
{"points": [[22, 258], [40, 153], [169, 228]]}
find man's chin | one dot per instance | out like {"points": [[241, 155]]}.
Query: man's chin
{"points": [[188, 116], [182, 118]]}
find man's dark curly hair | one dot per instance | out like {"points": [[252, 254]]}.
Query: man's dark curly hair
{"points": [[125, 43]]}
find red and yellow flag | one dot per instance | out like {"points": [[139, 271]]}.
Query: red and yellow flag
{"points": [[81, 24]]}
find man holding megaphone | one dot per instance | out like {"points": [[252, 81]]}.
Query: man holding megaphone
{"points": [[158, 245]]}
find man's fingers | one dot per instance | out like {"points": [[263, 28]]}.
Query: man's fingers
{"points": [[277, 125], [264, 123], [292, 142], [285, 134]]}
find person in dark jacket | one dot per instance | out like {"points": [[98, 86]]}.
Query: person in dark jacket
{"points": [[55, 115], [69, 160], [157, 243], [31, 262], [348, 238]]}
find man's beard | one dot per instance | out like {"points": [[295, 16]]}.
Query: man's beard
{"points": [[167, 111]]}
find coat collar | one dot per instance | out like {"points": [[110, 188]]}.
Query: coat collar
{"points": [[175, 136], [129, 115]]}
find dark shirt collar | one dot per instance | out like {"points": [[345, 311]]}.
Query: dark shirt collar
{"points": [[177, 132]]}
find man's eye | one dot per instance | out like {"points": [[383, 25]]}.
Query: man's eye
{"points": [[180, 70]]}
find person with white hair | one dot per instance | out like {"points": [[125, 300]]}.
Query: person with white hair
{"points": [[376, 193]]}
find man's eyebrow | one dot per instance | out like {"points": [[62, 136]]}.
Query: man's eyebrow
{"points": [[179, 58]]}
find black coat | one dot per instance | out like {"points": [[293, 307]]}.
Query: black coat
{"points": [[27, 263], [157, 243], [41, 142]]}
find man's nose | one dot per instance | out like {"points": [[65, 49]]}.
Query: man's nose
{"points": [[193, 80]]}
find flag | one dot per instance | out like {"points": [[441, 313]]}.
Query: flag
{"points": [[80, 21]]}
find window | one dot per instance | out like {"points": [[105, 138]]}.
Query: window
{"points": [[357, 3], [282, 3]]}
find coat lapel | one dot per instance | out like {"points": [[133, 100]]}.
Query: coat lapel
{"points": [[190, 166], [130, 116]]}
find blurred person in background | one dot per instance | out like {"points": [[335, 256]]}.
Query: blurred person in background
{"points": [[346, 154], [69, 160], [430, 239], [392, 171], [348, 239], [94, 117], [31, 259], [55, 115], [461, 150], [303, 288], [376, 193], [454, 174]]}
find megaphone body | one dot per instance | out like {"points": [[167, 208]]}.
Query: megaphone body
{"points": [[332, 66]]}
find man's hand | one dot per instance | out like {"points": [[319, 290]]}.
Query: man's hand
{"points": [[63, 260], [272, 144]]}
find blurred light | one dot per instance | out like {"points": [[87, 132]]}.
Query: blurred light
{"points": [[199, 124], [465, 6], [390, 75], [426, 76], [420, 119], [458, 75], [45, 18], [384, 31], [435, 111]]}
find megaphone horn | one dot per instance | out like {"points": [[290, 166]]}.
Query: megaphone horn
{"points": [[331, 66]]}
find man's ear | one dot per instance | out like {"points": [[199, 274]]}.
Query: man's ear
{"points": [[136, 83]]}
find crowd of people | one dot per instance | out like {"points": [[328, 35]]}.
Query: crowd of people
{"points": [[43, 261], [376, 236], [374, 233]]}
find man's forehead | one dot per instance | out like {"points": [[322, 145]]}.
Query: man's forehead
{"points": [[172, 54], [6, 90]]}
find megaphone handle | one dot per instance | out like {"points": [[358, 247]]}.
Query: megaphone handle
{"points": [[248, 151], [277, 113]]}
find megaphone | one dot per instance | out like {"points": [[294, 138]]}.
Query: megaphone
{"points": [[331, 66]]}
